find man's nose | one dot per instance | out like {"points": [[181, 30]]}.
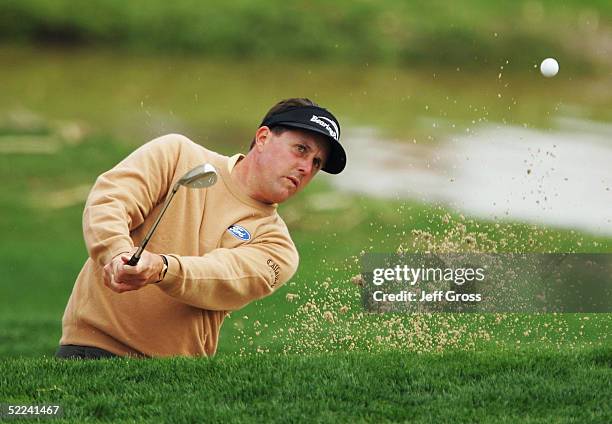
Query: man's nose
{"points": [[305, 166]]}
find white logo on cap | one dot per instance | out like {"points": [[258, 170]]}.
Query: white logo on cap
{"points": [[328, 124]]}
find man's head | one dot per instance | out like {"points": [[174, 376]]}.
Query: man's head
{"points": [[295, 140]]}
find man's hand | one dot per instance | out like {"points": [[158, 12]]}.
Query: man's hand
{"points": [[120, 277]]}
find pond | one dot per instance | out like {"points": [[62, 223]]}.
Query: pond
{"points": [[559, 177], [487, 143]]}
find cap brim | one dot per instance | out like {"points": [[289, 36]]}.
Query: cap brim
{"points": [[336, 161]]}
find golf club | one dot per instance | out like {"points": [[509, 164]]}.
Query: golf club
{"points": [[201, 176]]}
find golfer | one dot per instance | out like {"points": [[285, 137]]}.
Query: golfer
{"points": [[215, 250]]}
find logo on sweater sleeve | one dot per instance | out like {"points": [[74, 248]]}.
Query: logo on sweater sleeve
{"points": [[239, 232], [275, 270]]}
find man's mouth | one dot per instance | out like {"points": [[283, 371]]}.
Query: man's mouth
{"points": [[295, 181]]}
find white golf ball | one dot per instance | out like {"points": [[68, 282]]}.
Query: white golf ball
{"points": [[549, 67]]}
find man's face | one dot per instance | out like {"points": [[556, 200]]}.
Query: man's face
{"points": [[287, 162]]}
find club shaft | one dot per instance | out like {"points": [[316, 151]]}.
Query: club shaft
{"points": [[136, 257]]}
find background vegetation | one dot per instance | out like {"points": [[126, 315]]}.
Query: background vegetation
{"points": [[473, 33]]}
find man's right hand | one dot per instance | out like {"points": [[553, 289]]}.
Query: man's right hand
{"points": [[120, 277]]}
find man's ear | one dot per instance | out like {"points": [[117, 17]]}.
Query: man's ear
{"points": [[262, 136]]}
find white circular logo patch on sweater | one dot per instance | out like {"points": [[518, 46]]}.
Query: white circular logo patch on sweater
{"points": [[239, 232]]}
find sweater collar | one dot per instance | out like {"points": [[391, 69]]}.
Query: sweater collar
{"points": [[225, 168]]}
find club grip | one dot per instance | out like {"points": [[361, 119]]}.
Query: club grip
{"points": [[134, 260]]}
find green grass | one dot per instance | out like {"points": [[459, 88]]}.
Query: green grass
{"points": [[529, 368], [155, 94], [528, 387], [44, 251]]}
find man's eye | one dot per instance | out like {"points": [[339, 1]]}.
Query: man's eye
{"points": [[301, 148]]}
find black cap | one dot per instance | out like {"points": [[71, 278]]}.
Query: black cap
{"points": [[319, 120]]}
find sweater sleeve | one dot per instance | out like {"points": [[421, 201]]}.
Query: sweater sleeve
{"points": [[228, 279], [122, 197]]}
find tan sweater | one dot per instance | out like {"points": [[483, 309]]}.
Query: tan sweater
{"points": [[211, 271]]}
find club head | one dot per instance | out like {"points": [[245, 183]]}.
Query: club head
{"points": [[201, 176]]}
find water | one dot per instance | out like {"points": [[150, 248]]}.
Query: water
{"points": [[558, 177], [490, 144]]}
